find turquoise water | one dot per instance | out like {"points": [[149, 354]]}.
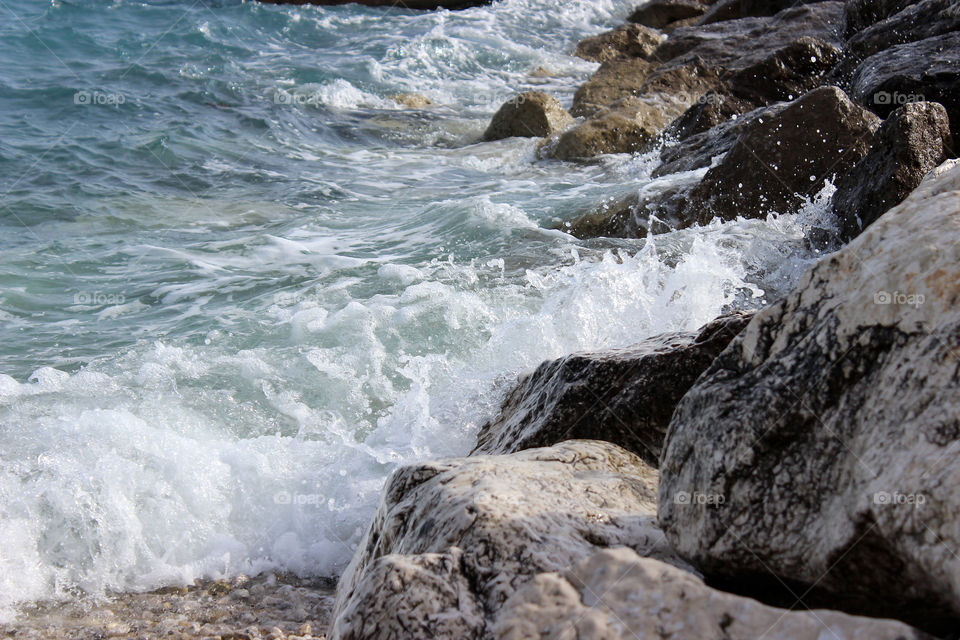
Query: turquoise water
{"points": [[240, 284]]}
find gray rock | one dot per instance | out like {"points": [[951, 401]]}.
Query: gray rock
{"points": [[660, 14], [735, 9], [911, 142], [512, 516], [917, 21], [626, 41], [825, 437], [615, 594], [533, 114], [623, 396], [860, 14], [928, 70]]}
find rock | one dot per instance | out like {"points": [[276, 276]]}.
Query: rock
{"points": [[736, 44], [784, 155], [412, 100], [615, 79], [659, 14], [917, 21], [928, 70], [735, 9], [830, 428], [786, 74], [860, 14], [615, 594], [623, 396], [626, 41], [627, 126], [424, 5], [533, 114], [512, 516], [910, 143], [712, 110]]}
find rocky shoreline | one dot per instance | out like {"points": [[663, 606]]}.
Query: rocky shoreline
{"points": [[780, 474]]}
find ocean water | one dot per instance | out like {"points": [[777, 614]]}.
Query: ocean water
{"points": [[240, 284]]}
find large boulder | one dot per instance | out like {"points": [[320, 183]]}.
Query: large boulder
{"points": [[820, 447], [784, 157], [627, 126], [616, 594], [533, 114], [917, 21], [615, 79], [911, 142], [928, 70], [735, 9], [661, 14], [626, 41], [625, 396], [494, 522]]}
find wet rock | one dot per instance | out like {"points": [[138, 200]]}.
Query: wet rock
{"points": [[424, 5], [736, 44], [735, 9], [626, 41], [624, 396], [786, 74], [616, 594], [627, 126], [928, 70], [412, 100], [829, 427], [917, 21], [660, 14], [860, 14], [784, 155], [909, 144], [494, 521], [615, 79], [533, 114], [711, 110]]}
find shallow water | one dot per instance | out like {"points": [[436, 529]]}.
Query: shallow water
{"points": [[240, 284]]}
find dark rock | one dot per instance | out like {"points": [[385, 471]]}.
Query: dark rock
{"points": [[626, 41], [697, 150], [659, 14], [615, 79], [918, 21], [623, 396], [424, 5], [532, 115], [830, 428], [910, 143], [860, 14], [711, 110], [784, 156], [928, 70], [787, 74], [735, 9]]}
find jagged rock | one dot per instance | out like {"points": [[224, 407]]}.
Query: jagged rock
{"points": [[624, 396], [786, 74], [711, 110], [412, 100], [615, 79], [830, 428], [735, 9], [928, 70], [910, 143], [626, 41], [627, 126], [860, 14], [512, 516], [914, 22], [533, 114], [736, 44], [424, 5], [615, 594], [659, 14], [784, 155]]}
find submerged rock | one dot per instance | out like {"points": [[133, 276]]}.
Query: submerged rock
{"points": [[911, 142], [412, 100], [615, 594], [626, 41], [492, 522], [533, 114], [624, 396], [830, 428]]}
